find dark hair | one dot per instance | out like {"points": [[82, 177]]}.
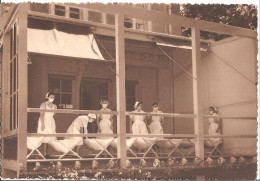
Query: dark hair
{"points": [[213, 108], [155, 104], [49, 94], [139, 104]]}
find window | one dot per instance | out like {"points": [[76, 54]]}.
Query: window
{"points": [[62, 88], [131, 94], [94, 16], [13, 84], [74, 13], [103, 91], [59, 10]]}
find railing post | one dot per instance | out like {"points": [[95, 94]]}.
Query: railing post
{"points": [[23, 87], [197, 102], [120, 88]]}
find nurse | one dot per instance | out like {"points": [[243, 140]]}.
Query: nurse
{"points": [[214, 125], [138, 122], [156, 122], [105, 121], [46, 123], [79, 125]]}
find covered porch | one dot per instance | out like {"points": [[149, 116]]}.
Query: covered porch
{"points": [[124, 65]]}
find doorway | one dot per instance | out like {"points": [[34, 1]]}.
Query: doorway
{"points": [[91, 92]]}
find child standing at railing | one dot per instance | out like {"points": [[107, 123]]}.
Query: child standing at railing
{"points": [[105, 121], [138, 122], [46, 123], [156, 124]]}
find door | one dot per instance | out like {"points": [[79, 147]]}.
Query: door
{"points": [[92, 91]]}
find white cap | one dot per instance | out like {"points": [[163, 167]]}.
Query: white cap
{"points": [[93, 116]]}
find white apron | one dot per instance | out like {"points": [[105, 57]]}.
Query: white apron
{"points": [[49, 122]]}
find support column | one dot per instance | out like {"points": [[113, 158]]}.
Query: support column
{"points": [[76, 85], [22, 88], [120, 88], [197, 102]]}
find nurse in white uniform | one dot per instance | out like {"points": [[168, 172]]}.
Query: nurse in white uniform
{"points": [[79, 125], [214, 125], [105, 121], [138, 122], [46, 123], [156, 122]]}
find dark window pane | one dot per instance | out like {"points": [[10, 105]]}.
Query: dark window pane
{"points": [[17, 72], [74, 13], [14, 82], [66, 99], [17, 109], [11, 78], [130, 89], [59, 10], [57, 99], [54, 85], [11, 44], [39, 7], [14, 112], [11, 113], [103, 90], [66, 86], [110, 19], [14, 39], [94, 16], [130, 103]]}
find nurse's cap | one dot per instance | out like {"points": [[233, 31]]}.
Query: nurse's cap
{"points": [[93, 116]]}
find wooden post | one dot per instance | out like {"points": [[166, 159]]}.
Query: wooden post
{"points": [[150, 25], [22, 88], [197, 103], [120, 88]]}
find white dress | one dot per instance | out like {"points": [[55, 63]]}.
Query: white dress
{"points": [[49, 123], [79, 122], [105, 122], [138, 127], [214, 129], [156, 126]]}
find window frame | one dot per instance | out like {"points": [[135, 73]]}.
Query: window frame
{"points": [[61, 105]]}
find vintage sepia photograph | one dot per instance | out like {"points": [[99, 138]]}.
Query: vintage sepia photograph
{"points": [[138, 91]]}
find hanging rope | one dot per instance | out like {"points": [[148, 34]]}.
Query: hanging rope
{"points": [[110, 68], [255, 83], [176, 62]]}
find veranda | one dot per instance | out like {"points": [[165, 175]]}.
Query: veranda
{"points": [[25, 65]]}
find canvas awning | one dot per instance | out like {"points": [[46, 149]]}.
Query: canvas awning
{"points": [[178, 43], [54, 42]]}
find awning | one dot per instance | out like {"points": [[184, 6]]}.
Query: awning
{"points": [[177, 43], [54, 42]]}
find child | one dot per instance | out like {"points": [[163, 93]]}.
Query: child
{"points": [[46, 123], [79, 125], [139, 126], [156, 124], [105, 121]]}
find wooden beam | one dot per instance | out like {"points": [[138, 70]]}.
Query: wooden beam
{"points": [[169, 19], [22, 86], [197, 102], [120, 88]]}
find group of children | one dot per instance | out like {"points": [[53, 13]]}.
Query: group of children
{"points": [[139, 124]]}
